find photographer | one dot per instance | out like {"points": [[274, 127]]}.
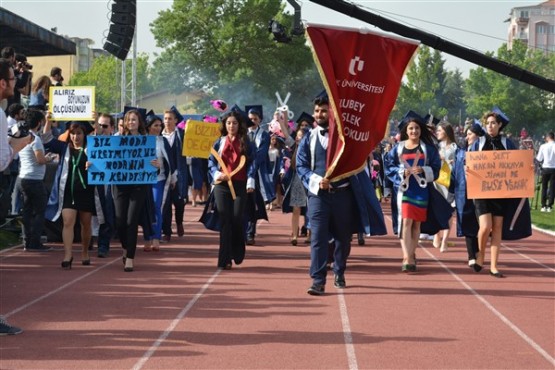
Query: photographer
{"points": [[22, 75], [24, 79]]}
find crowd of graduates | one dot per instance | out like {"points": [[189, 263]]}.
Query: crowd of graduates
{"points": [[107, 212]]}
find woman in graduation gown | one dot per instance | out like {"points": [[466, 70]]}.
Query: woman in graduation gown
{"points": [[233, 171]]}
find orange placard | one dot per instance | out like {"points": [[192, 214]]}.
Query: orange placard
{"points": [[500, 174]]}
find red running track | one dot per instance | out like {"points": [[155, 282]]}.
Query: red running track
{"points": [[178, 311]]}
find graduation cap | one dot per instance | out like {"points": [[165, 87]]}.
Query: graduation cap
{"points": [[219, 105], [322, 95], [151, 117], [178, 115], [502, 117], [430, 119], [476, 127], [142, 111], [305, 117], [254, 109], [408, 117], [243, 114]]}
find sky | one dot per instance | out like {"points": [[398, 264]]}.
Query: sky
{"points": [[476, 24]]}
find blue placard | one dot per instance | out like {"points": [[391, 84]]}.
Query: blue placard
{"points": [[121, 159]]}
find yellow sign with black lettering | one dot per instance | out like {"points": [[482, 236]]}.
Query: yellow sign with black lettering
{"points": [[199, 138]]}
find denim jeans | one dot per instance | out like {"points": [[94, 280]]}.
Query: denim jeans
{"points": [[34, 205]]}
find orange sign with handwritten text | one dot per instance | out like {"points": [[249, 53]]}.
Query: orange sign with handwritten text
{"points": [[500, 174]]}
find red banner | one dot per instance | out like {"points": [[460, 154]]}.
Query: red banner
{"points": [[362, 73]]}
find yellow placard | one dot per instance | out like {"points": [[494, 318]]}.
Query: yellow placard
{"points": [[500, 174], [71, 103], [199, 138]]}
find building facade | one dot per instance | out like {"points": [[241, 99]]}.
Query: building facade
{"points": [[533, 25]]}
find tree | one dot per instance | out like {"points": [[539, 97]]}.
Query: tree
{"points": [[105, 75], [424, 88], [525, 105], [223, 48], [453, 97]]}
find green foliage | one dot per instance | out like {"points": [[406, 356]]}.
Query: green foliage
{"points": [[223, 48], [428, 87], [105, 74], [524, 104]]}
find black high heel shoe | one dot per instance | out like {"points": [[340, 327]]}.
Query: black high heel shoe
{"points": [[86, 262], [66, 265]]}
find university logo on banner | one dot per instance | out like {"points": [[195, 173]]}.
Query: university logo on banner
{"points": [[362, 73]]}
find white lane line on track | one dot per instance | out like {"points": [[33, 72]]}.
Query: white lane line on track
{"points": [[347, 334], [66, 285], [526, 257], [515, 251], [499, 315], [148, 354]]}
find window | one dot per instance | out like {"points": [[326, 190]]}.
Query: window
{"points": [[541, 29]]}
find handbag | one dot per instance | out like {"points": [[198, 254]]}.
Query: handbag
{"points": [[210, 216], [444, 178]]}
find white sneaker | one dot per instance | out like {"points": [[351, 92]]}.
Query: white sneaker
{"points": [[548, 209], [544, 209]]}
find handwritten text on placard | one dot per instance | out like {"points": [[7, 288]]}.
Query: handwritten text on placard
{"points": [[199, 138], [121, 159], [500, 174]]}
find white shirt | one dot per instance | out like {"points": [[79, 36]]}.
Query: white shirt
{"points": [[546, 154], [29, 167], [6, 152], [11, 122], [170, 136]]}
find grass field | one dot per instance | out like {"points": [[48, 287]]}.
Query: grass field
{"points": [[543, 220]]}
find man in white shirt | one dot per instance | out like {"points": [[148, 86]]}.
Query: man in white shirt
{"points": [[8, 148], [546, 156]]}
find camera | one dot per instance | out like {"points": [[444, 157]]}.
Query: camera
{"points": [[26, 65], [22, 62], [22, 130]]}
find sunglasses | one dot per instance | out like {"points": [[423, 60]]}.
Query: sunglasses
{"points": [[104, 126]]}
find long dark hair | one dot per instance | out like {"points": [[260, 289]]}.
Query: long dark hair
{"points": [[294, 155], [446, 126], [241, 132], [425, 135]]}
